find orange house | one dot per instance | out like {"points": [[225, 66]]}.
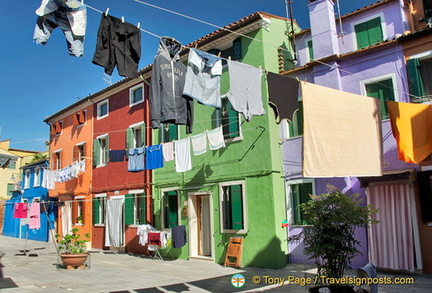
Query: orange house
{"points": [[70, 172]]}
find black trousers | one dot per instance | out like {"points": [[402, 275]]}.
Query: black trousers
{"points": [[118, 44]]}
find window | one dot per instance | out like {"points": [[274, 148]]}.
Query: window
{"points": [[369, 33], [56, 128], [101, 150], [10, 188], [170, 209], [135, 208], [79, 151], [382, 90], [102, 109], [79, 118], [232, 200], [136, 95], [297, 193], [37, 177], [135, 136], [229, 119], [57, 160], [99, 206], [12, 164], [169, 132], [78, 210], [419, 78], [310, 50], [27, 179]]}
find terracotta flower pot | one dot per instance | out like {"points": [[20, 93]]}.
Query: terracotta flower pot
{"points": [[73, 261]]}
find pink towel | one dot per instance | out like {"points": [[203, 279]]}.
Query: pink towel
{"points": [[20, 210], [34, 216]]}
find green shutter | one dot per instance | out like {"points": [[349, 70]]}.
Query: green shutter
{"points": [[143, 209], [106, 154], [415, 81], [295, 190], [236, 207], [129, 209], [95, 210], [129, 138], [368, 33], [310, 48], [143, 135], [172, 132], [172, 209], [96, 152], [230, 120], [382, 90], [305, 190]]}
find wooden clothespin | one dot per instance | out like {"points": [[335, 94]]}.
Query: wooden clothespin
{"points": [[297, 79], [138, 25], [122, 19], [219, 53], [196, 45], [106, 12], [229, 58]]}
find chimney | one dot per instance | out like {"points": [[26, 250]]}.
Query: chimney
{"points": [[323, 28]]}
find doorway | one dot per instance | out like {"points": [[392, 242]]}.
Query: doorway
{"points": [[200, 225]]}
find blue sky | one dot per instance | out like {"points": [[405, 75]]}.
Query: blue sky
{"points": [[38, 81]]}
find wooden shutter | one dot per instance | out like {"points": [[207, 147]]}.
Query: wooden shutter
{"points": [[236, 201], [96, 152], [305, 190], [129, 138], [129, 209], [143, 135], [106, 153], [382, 90], [362, 37], [237, 49], [415, 81], [95, 210], [76, 119], [171, 209], [143, 209], [375, 31], [233, 122]]}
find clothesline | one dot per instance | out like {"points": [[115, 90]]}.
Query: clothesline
{"points": [[254, 39]]}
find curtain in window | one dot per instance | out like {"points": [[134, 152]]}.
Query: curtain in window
{"points": [[205, 226], [114, 223], [66, 212], [390, 242]]}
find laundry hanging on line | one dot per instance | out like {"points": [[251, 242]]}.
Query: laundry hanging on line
{"points": [[70, 16]]}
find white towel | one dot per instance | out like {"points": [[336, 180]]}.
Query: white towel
{"points": [[183, 155], [168, 151], [216, 138], [199, 143]]}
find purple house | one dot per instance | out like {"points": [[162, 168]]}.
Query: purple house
{"points": [[358, 53]]}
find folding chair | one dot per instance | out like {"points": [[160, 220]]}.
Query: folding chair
{"points": [[155, 250]]}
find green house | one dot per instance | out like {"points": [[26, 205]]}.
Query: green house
{"points": [[237, 190]]}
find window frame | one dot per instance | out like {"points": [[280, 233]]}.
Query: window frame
{"points": [[377, 79], [101, 209], [291, 210], [103, 154], [138, 198], [37, 177], [131, 135], [164, 193], [364, 20], [220, 122], [80, 118], [57, 159], [244, 230], [99, 106], [27, 176], [80, 210], [132, 90]]}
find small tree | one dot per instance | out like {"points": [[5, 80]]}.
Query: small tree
{"points": [[72, 243], [329, 238]]}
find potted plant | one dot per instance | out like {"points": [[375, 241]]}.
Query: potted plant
{"points": [[329, 237], [72, 249]]}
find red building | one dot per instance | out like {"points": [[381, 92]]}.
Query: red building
{"points": [[120, 189]]}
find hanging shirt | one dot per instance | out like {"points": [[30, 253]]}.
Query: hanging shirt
{"points": [[183, 155], [199, 143], [203, 78], [216, 139], [154, 157], [245, 89], [136, 160], [178, 236], [283, 95]]}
